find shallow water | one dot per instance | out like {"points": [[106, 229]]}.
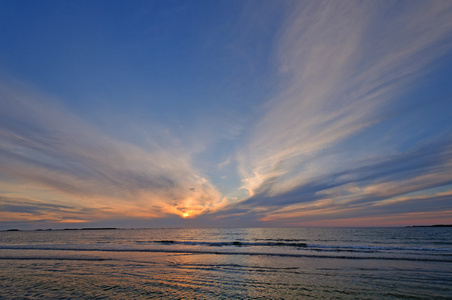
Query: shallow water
{"points": [[328, 263]]}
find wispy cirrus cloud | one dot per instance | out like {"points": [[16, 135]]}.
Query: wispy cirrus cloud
{"points": [[44, 146], [404, 182], [346, 66]]}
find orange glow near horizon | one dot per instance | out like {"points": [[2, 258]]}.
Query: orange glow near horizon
{"points": [[404, 219], [186, 211]]}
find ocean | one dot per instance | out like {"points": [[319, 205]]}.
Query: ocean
{"points": [[228, 263]]}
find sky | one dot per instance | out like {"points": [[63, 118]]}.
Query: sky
{"points": [[225, 113]]}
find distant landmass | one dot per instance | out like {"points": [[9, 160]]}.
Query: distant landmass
{"points": [[89, 228], [439, 225], [100, 228]]}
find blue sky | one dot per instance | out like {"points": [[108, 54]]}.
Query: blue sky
{"points": [[225, 113]]}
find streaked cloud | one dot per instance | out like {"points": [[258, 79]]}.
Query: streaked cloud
{"points": [[346, 66], [45, 146]]}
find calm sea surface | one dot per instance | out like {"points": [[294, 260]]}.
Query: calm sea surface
{"points": [[253, 263]]}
